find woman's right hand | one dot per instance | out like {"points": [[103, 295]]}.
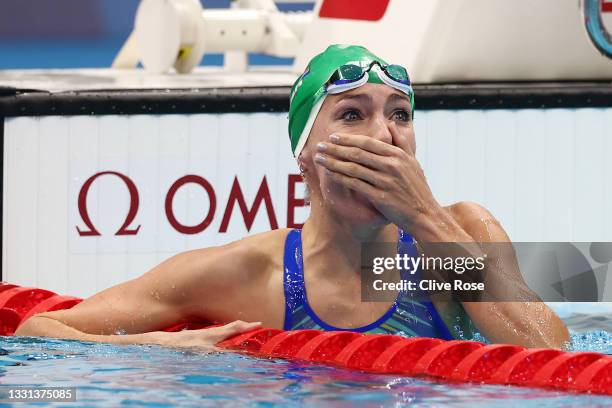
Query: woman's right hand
{"points": [[201, 339]]}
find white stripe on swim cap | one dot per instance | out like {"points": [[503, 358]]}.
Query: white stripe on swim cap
{"points": [[308, 126]]}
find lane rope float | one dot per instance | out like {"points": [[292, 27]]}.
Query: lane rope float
{"points": [[452, 360]]}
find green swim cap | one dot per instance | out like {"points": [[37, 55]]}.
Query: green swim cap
{"points": [[308, 91]]}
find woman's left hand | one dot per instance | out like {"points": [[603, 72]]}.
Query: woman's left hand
{"points": [[388, 175]]}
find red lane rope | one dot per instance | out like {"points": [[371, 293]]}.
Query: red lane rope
{"points": [[23, 299], [521, 367], [9, 320], [455, 360], [441, 360], [401, 357], [55, 302], [325, 347], [597, 377], [481, 364]]}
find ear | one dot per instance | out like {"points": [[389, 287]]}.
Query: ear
{"points": [[302, 163]]}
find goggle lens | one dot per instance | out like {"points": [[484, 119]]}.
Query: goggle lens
{"points": [[347, 73], [397, 73]]}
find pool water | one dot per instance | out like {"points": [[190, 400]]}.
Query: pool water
{"points": [[109, 375]]}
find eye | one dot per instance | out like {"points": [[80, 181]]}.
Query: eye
{"points": [[401, 115], [351, 115]]}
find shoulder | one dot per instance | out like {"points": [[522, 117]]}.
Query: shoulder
{"points": [[477, 221], [215, 280], [468, 211], [249, 257]]}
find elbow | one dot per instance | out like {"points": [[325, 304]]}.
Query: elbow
{"points": [[547, 330], [560, 337], [25, 328], [527, 324], [33, 326]]}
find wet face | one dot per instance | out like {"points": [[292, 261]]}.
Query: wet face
{"points": [[371, 110]]}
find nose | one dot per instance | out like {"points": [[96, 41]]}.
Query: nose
{"points": [[380, 129]]}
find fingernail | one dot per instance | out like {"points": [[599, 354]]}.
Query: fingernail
{"points": [[334, 137], [319, 158], [321, 146]]}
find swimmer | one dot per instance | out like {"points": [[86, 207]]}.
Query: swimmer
{"points": [[351, 131]]}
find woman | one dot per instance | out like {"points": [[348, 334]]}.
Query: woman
{"points": [[350, 124]]}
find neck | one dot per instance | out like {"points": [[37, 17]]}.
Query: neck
{"points": [[332, 246]]}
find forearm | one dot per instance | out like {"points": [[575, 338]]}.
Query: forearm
{"points": [[47, 327], [439, 234], [529, 324], [508, 310], [437, 226]]}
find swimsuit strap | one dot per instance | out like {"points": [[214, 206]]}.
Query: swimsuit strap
{"points": [[293, 277]]}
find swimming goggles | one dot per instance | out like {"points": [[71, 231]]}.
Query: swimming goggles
{"points": [[351, 76]]}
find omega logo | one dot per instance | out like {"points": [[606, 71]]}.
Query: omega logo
{"points": [[236, 197], [134, 203]]}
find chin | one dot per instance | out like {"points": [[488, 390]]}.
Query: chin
{"points": [[357, 209]]}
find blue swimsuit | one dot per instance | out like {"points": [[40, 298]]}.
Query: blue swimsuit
{"points": [[406, 316]]}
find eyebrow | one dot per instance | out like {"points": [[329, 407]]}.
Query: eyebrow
{"points": [[397, 98], [359, 96]]}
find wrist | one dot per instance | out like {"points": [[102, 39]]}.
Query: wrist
{"points": [[156, 337], [437, 225], [127, 339]]}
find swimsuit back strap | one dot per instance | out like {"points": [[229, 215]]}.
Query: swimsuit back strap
{"points": [[293, 277]]}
